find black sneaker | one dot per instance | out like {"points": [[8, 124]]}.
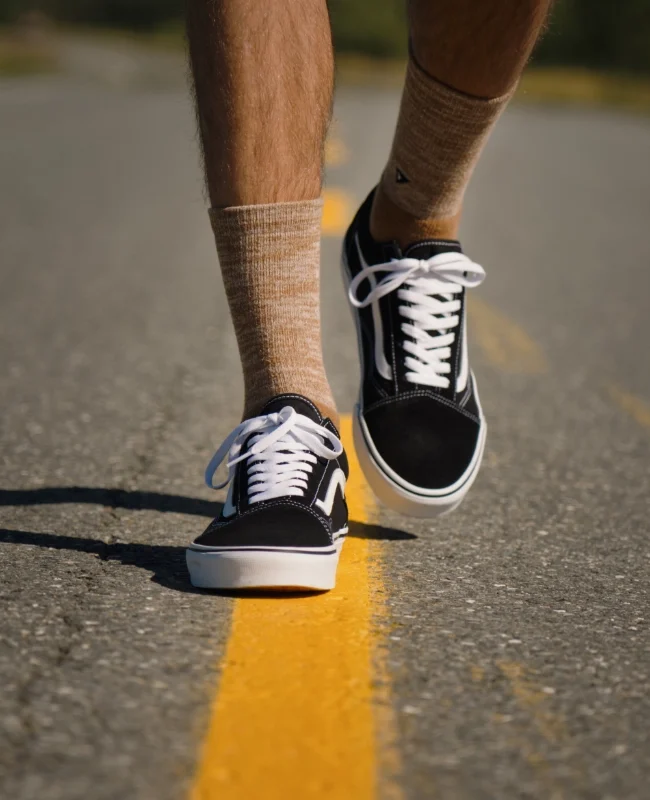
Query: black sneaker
{"points": [[419, 430], [285, 518]]}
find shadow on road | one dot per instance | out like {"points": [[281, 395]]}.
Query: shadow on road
{"points": [[156, 501], [364, 530], [166, 562], [111, 498]]}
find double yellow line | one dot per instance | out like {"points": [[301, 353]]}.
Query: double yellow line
{"points": [[304, 696]]}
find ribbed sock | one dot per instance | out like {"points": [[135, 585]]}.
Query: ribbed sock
{"points": [[270, 262], [439, 137]]}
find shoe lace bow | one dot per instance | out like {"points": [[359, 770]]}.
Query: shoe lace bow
{"points": [[281, 450], [429, 289]]}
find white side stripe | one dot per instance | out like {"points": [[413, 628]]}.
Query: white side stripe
{"points": [[381, 362], [337, 479], [228, 508], [463, 372]]}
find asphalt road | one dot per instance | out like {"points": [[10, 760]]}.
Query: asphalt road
{"points": [[518, 653]]}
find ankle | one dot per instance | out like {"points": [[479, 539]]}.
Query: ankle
{"points": [[389, 222]]}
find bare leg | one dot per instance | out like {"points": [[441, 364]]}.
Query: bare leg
{"points": [[478, 49], [263, 75]]}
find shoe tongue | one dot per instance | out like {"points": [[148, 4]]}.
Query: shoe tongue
{"points": [[432, 247], [300, 404]]}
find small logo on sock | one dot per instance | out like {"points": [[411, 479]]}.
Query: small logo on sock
{"points": [[400, 177]]}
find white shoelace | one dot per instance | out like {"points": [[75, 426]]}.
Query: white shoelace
{"points": [[428, 288], [282, 450]]}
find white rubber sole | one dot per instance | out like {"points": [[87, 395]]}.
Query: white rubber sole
{"points": [[405, 498], [265, 568]]}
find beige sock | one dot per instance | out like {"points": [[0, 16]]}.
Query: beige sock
{"points": [[270, 262], [439, 137]]}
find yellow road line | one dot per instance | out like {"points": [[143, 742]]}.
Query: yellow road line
{"points": [[362, 508], [532, 698], [504, 344], [336, 152], [337, 212], [294, 716], [638, 409]]}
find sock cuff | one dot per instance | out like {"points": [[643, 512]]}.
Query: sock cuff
{"points": [[422, 82], [295, 216], [268, 242], [439, 137]]}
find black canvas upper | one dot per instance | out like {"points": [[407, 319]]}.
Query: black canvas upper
{"points": [[285, 521], [427, 435]]}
